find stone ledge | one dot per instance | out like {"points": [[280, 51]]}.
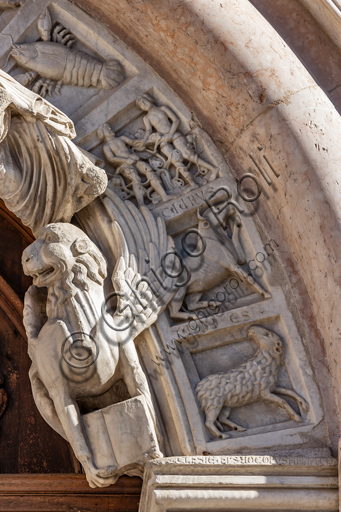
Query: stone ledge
{"points": [[240, 483]]}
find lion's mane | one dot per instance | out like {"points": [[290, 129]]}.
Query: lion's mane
{"points": [[89, 264]]}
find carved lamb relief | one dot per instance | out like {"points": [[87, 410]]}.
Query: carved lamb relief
{"points": [[246, 384], [251, 382]]}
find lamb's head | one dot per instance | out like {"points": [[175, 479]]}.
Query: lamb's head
{"points": [[267, 340], [64, 260]]}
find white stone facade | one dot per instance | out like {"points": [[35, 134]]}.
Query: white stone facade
{"points": [[166, 335]]}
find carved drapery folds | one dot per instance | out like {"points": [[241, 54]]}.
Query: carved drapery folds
{"points": [[55, 180], [158, 311]]}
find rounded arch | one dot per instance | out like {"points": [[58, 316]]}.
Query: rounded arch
{"points": [[256, 99]]}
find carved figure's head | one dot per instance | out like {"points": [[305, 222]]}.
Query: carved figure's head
{"points": [[266, 339], [144, 102], [64, 260], [143, 167], [116, 181], [156, 163], [105, 132], [176, 156]]}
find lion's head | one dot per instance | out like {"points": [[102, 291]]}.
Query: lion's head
{"points": [[63, 260]]}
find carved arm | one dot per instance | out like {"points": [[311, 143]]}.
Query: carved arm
{"points": [[175, 123]]}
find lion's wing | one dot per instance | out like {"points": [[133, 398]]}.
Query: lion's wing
{"points": [[138, 278]]}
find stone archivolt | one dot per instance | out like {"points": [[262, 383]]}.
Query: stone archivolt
{"points": [[164, 181]]}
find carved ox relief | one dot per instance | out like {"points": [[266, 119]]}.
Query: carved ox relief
{"points": [[224, 256]]}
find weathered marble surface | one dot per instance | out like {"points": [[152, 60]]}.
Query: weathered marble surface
{"points": [[123, 435], [80, 351], [276, 124], [238, 73], [52, 62], [44, 177]]}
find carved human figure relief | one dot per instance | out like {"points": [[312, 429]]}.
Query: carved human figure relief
{"points": [[155, 162], [130, 167], [153, 181], [251, 382], [161, 130], [115, 149], [52, 62], [174, 186]]}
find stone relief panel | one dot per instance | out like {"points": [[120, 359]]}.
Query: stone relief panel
{"points": [[53, 62], [156, 163], [216, 357], [253, 381], [226, 249], [49, 50], [173, 328]]}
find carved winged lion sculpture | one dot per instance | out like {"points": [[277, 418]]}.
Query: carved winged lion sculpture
{"points": [[72, 269]]}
